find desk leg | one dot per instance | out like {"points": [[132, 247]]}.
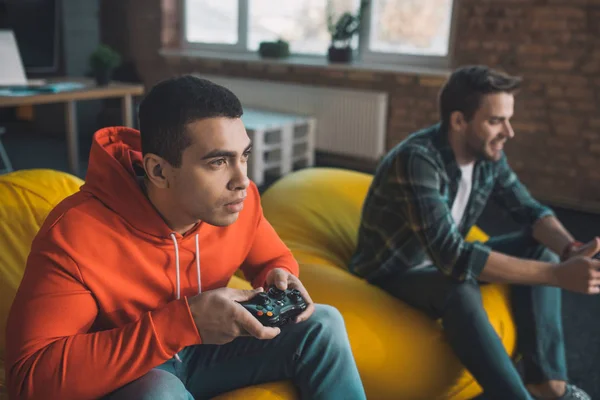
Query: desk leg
{"points": [[127, 110], [72, 137]]}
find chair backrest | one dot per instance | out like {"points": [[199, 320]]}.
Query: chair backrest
{"points": [[316, 212], [26, 198]]}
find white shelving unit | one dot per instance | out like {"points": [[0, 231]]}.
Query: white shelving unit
{"points": [[281, 142]]}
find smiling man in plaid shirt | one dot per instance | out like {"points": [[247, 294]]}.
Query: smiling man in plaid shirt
{"points": [[427, 194]]}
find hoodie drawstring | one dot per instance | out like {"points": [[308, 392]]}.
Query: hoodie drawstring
{"points": [[177, 265], [177, 273], [198, 265]]}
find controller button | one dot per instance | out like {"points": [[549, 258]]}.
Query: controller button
{"points": [[259, 313], [259, 307], [295, 297], [269, 308], [269, 314]]}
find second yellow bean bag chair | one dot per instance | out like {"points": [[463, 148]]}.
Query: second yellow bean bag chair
{"points": [[401, 354]]}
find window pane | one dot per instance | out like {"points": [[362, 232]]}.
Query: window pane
{"points": [[212, 21], [419, 27], [303, 23]]}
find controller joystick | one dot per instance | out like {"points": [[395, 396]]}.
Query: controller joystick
{"points": [[262, 299], [276, 293]]}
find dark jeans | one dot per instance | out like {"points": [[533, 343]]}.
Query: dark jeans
{"points": [[536, 311], [314, 354]]}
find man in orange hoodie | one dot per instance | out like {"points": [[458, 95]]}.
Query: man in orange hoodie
{"points": [[124, 295]]}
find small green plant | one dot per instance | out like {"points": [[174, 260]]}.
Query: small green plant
{"points": [[346, 26], [104, 58], [102, 63]]}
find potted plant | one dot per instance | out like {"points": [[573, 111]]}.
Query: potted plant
{"points": [[103, 61], [342, 31], [276, 49]]}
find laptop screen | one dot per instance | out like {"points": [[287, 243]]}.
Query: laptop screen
{"points": [[11, 68]]}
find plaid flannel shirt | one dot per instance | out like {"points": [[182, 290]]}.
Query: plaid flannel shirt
{"points": [[406, 216]]}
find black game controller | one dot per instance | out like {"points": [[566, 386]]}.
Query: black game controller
{"points": [[275, 307]]}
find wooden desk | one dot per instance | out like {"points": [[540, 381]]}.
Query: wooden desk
{"points": [[90, 92]]}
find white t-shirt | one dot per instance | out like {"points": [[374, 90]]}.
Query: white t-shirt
{"points": [[462, 195], [460, 201]]}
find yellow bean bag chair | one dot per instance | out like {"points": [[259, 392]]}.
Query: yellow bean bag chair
{"points": [[401, 354], [26, 198]]}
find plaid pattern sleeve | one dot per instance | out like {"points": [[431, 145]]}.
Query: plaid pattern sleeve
{"points": [[415, 181], [511, 194]]}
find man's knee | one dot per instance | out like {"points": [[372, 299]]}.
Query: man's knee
{"points": [[328, 327], [540, 252], [547, 255], [464, 297], [522, 244], [155, 385]]}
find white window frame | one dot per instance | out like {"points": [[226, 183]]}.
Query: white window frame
{"points": [[239, 47], [362, 53], [368, 56]]}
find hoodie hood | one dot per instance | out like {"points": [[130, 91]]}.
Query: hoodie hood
{"points": [[111, 178]]}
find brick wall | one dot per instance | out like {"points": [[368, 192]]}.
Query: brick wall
{"points": [[553, 44]]}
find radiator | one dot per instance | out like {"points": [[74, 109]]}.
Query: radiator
{"points": [[349, 122]]}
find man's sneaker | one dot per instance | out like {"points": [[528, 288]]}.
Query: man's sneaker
{"points": [[575, 393], [572, 392]]}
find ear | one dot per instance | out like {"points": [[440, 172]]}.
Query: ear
{"points": [[157, 170], [458, 122]]}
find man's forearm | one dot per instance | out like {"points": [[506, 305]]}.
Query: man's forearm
{"points": [[550, 232], [501, 268], [120, 355]]}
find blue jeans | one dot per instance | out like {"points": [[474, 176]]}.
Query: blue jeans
{"points": [[315, 355], [536, 311]]}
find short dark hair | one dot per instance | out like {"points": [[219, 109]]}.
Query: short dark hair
{"points": [[172, 104], [466, 87]]}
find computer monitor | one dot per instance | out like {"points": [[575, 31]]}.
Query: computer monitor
{"points": [[36, 27]]}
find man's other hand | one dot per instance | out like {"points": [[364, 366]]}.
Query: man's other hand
{"points": [[579, 274], [589, 249]]}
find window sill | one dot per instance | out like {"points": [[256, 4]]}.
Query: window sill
{"points": [[304, 61]]}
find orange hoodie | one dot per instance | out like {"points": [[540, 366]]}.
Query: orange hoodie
{"points": [[104, 296]]}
